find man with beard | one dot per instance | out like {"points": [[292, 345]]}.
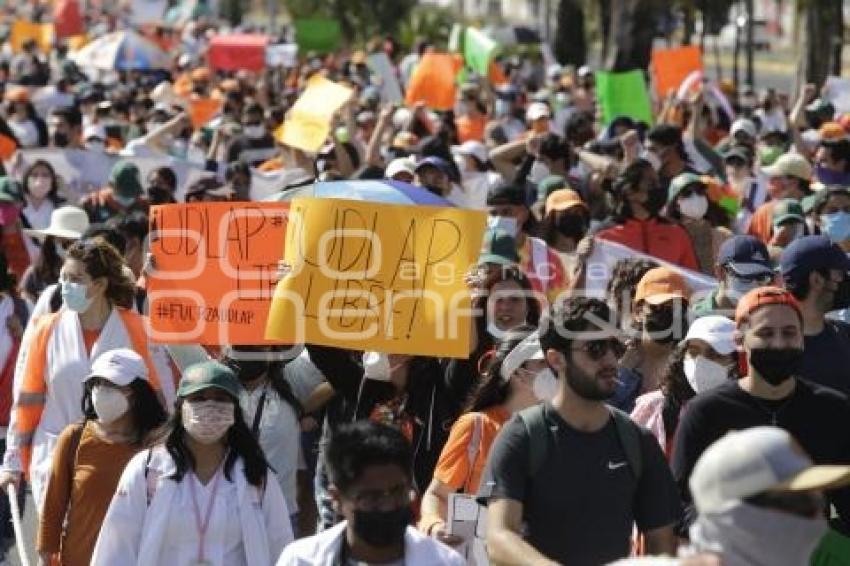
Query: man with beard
{"points": [[577, 473], [770, 336], [815, 272], [369, 467]]}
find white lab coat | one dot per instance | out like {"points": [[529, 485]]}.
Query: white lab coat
{"points": [[323, 550], [133, 532]]}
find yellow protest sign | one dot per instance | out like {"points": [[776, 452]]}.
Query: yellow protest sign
{"points": [[23, 31], [384, 277], [309, 121]]}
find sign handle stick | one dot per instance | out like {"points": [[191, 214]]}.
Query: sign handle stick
{"points": [[12, 492]]}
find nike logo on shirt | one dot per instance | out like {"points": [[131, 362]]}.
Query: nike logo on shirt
{"points": [[613, 466]]}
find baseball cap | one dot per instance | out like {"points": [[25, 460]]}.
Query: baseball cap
{"points": [[124, 179], [788, 209], [748, 462], [499, 248], [745, 126], [209, 374], [528, 349], [738, 152], [506, 193], [10, 190], [819, 197], [716, 330], [536, 110], [811, 253], [763, 296], [831, 132], [660, 285], [790, 165], [549, 185], [474, 148], [432, 160], [681, 181], [120, 366], [745, 255], [563, 199], [94, 131], [400, 165]]}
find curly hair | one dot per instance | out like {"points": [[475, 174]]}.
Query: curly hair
{"points": [[624, 278], [673, 382], [491, 390], [571, 316], [103, 260]]}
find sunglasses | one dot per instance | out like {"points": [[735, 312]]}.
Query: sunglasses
{"points": [[802, 504], [597, 349]]}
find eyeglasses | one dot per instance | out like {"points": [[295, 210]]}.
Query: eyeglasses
{"points": [[596, 349]]}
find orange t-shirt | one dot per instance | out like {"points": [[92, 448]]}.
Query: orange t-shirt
{"points": [[761, 223], [453, 466], [90, 337], [471, 129]]}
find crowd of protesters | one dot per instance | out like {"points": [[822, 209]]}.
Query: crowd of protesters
{"points": [[644, 422]]}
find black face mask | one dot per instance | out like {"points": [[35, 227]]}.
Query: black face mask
{"points": [[655, 201], [382, 528], [841, 299], [571, 226], [158, 195], [249, 370], [776, 365], [60, 139], [663, 327]]}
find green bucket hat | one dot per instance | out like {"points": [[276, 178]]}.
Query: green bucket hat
{"points": [[10, 191], [681, 181], [788, 209], [205, 375], [126, 180], [499, 248]]}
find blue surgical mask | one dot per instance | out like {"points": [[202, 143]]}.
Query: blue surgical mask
{"points": [[737, 287], [836, 226], [502, 107], [74, 296]]}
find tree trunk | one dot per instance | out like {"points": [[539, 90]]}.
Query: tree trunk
{"points": [[822, 41], [570, 44], [631, 35]]}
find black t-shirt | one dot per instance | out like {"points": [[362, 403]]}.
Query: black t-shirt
{"points": [[817, 417], [826, 357], [580, 506], [252, 151]]}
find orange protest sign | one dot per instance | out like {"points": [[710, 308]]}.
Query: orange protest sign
{"points": [[202, 110], [215, 268], [671, 66], [7, 147], [23, 31], [433, 81]]}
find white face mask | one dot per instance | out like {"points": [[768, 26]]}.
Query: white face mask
{"points": [[96, 145], [254, 132], [694, 207], [39, 187], [545, 385], [207, 421], [704, 374], [376, 365], [506, 223], [539, 171], [109, 403]]}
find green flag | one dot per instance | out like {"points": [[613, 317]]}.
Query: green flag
{"points": [[623, 94], [317, 34], [833, 550], [478, 50]]}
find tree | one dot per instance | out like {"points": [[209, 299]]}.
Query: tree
{"points": [[823, 38], [630, 33], [570, 42], [359, 20]]}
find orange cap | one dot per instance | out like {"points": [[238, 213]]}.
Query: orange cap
{"points": [[563, 199], [832, 131], [18, 94], [762, 296], [201, 74], [660, 285]]}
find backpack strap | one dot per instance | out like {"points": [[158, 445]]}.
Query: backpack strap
{"points": [[538, 436], [474, 447], [629, 435], [151, 477]]}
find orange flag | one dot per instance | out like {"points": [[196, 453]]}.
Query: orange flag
{"points": [[433, 81], [671, 66], [202, 110]]}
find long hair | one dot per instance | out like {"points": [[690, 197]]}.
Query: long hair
{"points": [[673, 382], [148, 414], [715, 215], [240, 441], [48, 263], [103, 260], [53, 195], [491, 390], [509, 274]]}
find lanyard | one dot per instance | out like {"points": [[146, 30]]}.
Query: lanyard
{"points": [[203, 526]]}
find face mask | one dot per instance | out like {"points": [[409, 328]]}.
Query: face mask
{"points": [[255, 132], [656, 200], [836, 226], [502, 108], [124, 201], [694, 207], [562, 100], [96, 145], [539, 171], [572, 226], [109, 403], [376, 366], [659, 324], [207, 421], [545, 385], [382, 528], [61, 252], [39, 187], [737, 287], [74, 296], [776, 365], [704, 374], [506, 223], [60, 139], [768, 154], [179, 149], [158, 195]]}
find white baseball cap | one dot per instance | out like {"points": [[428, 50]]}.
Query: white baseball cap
{"points": [[400, 165], [474, 148], [716, 330], [752, 461], [743, 125], [528, 349], [65, 222], [120, 366], [94, 131], [537, 110]]}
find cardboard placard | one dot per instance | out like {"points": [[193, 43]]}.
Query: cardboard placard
{"points": [[671, 66], [433, 81], [215, 271], [309, 121], [623, 94], [374, 276]]}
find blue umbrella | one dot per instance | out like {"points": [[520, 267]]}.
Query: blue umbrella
{"points": [[392, 192], [122, 50]]}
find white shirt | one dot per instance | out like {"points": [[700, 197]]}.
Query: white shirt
{"points": [[280, 436], [39, 219], [25, 131], [223, 540]]}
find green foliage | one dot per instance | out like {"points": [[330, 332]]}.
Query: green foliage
{"points": [[429, 22], [360, 20]]}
